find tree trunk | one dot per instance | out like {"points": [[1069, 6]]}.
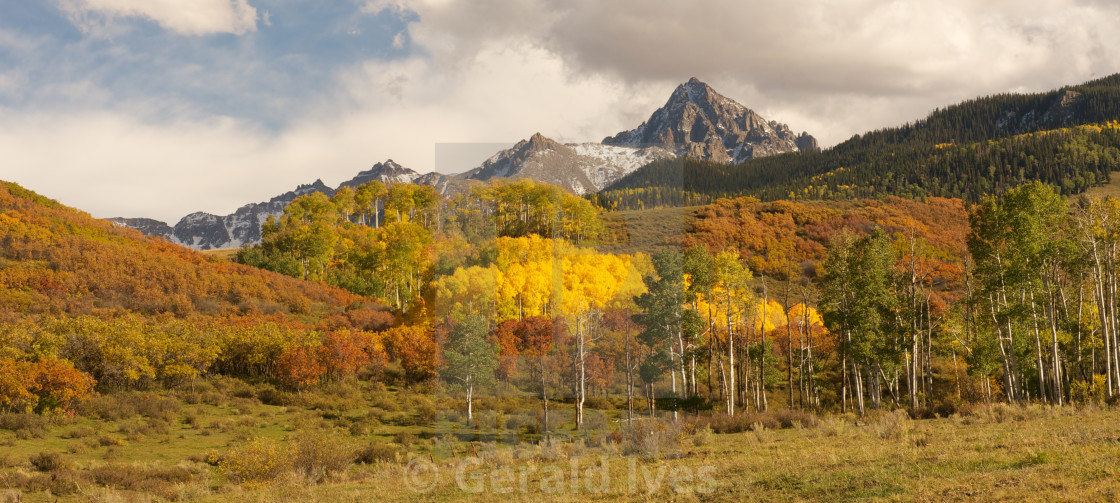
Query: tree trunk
{"points": [[1042, 393], [857, 375], [844, 377], [581, 390], [629, 379], [544, 395], [673, 376], [762, 349], [470, 402], [732, 390]]}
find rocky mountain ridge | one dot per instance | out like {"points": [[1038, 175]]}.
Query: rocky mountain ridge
{"points": [[579, 168], [699, 123], [695, 122], [206, 231]]}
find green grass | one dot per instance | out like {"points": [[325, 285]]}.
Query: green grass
{"points": [[223, 253], [990, 454], [1110, 189], [645, 230]]}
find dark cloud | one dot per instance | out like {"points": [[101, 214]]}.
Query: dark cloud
{"points": [[807, 51]]}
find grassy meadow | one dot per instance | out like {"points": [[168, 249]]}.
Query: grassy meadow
{"points": [[227, 440]]}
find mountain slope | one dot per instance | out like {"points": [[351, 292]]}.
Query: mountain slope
{"points": [[1067, 137], [578, 168], [59, 261], [699, 123]]}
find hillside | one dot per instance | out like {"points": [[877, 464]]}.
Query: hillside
{"points": [[58, 261], [1068, 138]]}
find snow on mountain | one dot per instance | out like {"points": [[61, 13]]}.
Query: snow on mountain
{"points": [[384, 172], [579, 168], [606, 164], [205, 231], [148, 226]]}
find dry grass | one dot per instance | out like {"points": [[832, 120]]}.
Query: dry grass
{"points": [[1005, 454], [645, 230], [153, 450], [1111, 188]]}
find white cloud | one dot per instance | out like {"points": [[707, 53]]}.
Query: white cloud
{"points": [[114, 163], [496, 72], [846, 65], [195, 17]]}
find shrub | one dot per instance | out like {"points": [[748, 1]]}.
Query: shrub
{"points": [[132, 478], [1086, 392], [191, 418], [426, 413], [269, 395], [257, 461], [405, 438], [790, 418], [81, 432], [31, 425], [1000, 412], [124, 405], [946, 409], [59, 484], [702, 436], [152, 406], [134, 431], [377, 452], [599, 403], [107, 441], [892, 425], [651, 438], [921, 413], [8, 461], [245, 405], [49, 461], [359, 428], [761, 433], [319, 456], [766, 419], [833, 427]]}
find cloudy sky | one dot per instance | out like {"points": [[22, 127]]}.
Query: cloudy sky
{"points": [[163, 107]]}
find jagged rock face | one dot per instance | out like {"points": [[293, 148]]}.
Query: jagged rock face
{"points": [[579, 168], [806, 143], [148, 226], [204, 231], [446, 184], [700, 123], [384, 172]]}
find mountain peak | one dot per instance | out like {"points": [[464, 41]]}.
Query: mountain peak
{"points": [[316, 186], [578, 168], [698, 122], [384, 172], [538, 142]]}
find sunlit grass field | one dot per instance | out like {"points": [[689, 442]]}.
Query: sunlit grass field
{"points": [[224, 442]]}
